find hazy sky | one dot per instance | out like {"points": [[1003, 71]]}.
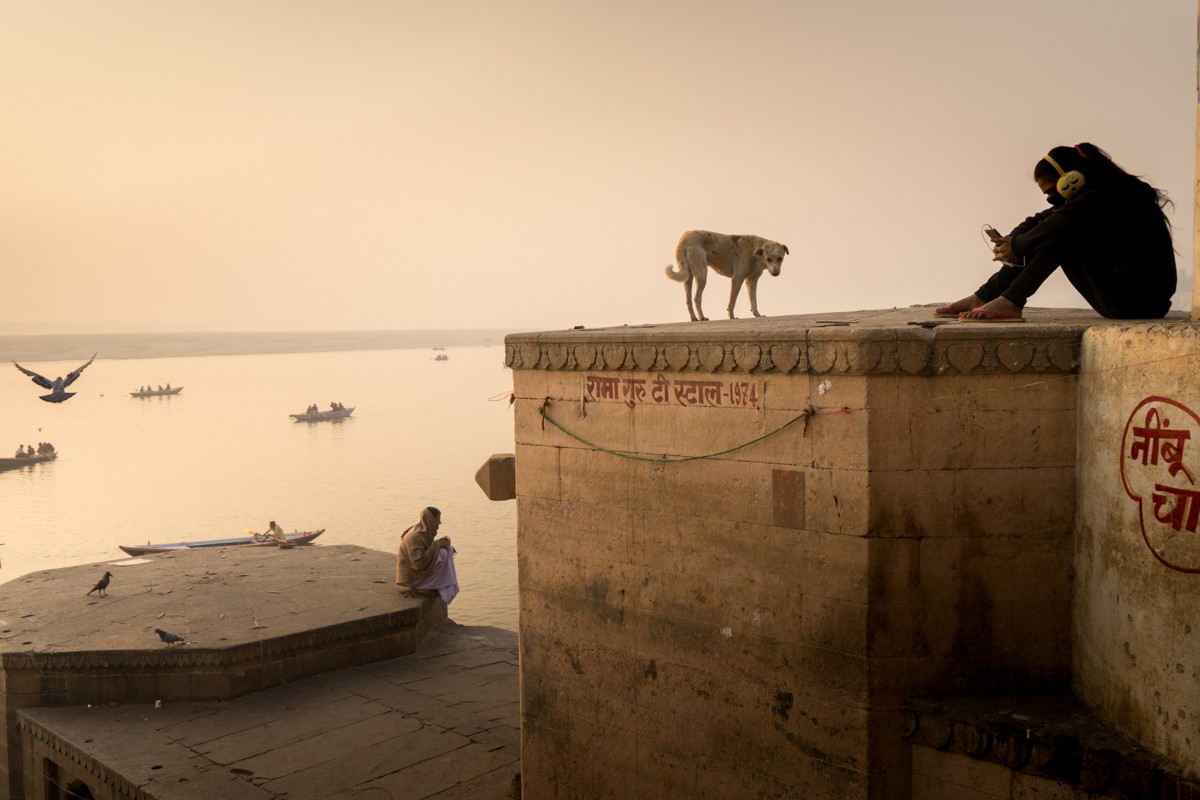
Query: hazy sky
{"points": [[530, 164]]}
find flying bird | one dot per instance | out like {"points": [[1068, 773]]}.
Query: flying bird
{"points": [[168, 637], [58, 386], [102, 585]]}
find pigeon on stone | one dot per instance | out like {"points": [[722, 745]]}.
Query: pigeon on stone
{"points": [[58, 386], [102, 585], [168, 637]]}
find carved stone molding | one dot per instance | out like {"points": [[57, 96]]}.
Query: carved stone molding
{"points": [[833, 351], [268, 649], [77, 761]]}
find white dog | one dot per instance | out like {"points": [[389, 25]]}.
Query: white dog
{"points": [[742, 258]]}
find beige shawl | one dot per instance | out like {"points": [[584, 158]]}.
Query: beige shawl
{"points": [[418, 551]]}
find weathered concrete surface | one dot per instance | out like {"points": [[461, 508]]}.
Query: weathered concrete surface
{"points": [[218, 598], [253, 618], [1136, 623], [743, 543], [441, 723], [1014, 747]]}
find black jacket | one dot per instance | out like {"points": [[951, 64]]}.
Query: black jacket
{"points": [[1114, 229]]}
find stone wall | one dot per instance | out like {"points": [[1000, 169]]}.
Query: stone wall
{"points": [[747, 623], [1137, 610]]}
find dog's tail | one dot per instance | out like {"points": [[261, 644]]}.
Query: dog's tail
{"points": [[676, 275]]}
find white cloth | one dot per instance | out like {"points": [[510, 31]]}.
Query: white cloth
{"points": [[442, 577]]}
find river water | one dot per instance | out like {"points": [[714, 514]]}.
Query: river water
{"points": [[224, 456]]}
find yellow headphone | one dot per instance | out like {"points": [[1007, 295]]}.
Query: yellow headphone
{"points": [[1070, 183]]}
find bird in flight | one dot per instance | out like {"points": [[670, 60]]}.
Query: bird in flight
{"points": [[102, 585], [168, 637], [57, 386]]}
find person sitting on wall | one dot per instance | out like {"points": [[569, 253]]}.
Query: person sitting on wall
{"points": [[425, 563], [1105, 227]]}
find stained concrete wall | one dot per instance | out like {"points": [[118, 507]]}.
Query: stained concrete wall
{"points": [[747, 624], [1137, 609]]}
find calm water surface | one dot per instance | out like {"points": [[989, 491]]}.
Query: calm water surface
{"points": [[224, 456]]}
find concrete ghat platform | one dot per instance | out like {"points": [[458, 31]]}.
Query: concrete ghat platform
{"points": [[442, 723], [252, 618]]}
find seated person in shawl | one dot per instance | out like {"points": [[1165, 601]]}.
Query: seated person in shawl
{"points": [[424, 563]]}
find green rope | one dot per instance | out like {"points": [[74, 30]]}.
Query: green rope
{"points": [[805, 415]]}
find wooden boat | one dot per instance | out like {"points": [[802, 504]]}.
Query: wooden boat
{"points": [[157, 392], [26, 461], [320, 416], [289, 540]]}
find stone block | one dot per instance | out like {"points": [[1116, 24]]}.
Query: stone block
{"points": [[890, 443], [787, 441], [835, 624], [1032, 787], [912, 503], [893, 570], [578, 752], [997, 569], [605, 703], [840, 439], [767, 719], [497, 477], [966, 438], [787, 498], [1006, 502], [913, 629], [837, 501], [532, 385], [744, 554], [938, 776]]}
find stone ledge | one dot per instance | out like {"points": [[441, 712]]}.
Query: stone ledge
{"points": [[252, 617], [440, 721], [1052, 736], [905, 341]]}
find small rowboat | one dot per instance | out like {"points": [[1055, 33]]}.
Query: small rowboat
{"points": [[26, 461], [157, 392], [289, 540], [320, 416]]}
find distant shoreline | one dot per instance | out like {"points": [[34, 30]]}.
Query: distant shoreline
{"points": [[73, 346]]}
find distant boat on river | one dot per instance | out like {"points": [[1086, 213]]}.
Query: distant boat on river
{"points": [[26, 461], [341, 412], [441, 357], [156, 392], [254, 540]]}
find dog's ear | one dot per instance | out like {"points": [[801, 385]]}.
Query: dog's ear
{"points": [[758, 251], [786, 252]]}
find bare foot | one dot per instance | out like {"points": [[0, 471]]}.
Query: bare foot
{"points": [[956, 308], [1000, 308]]}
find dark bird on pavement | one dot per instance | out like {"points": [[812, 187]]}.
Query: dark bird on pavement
{"points": [[168, 637], [58, 386], [102, 585]]}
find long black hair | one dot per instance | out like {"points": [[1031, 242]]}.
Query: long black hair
{"points": [[1095, 164]]}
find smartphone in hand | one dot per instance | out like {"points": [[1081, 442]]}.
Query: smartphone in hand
{"points": [[992, 233]]}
